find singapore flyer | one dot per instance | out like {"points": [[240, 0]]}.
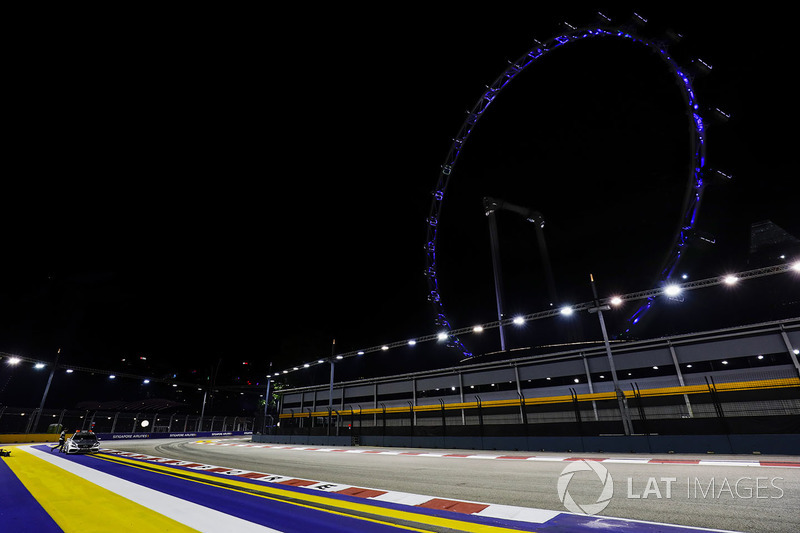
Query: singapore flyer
{"points": [[545, 145]]}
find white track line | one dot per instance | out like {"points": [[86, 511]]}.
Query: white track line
{"points": [[190, 514]]}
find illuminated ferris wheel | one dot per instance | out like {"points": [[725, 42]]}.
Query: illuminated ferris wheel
{"points": [[694, 182]]}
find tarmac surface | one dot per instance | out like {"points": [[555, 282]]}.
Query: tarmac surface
{"points": [[737, 493]]}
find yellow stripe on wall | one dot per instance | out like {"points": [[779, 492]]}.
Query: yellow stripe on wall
{"points": [[81, 506], [515, 402]]}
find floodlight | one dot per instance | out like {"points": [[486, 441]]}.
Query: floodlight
{"points": [[672, 290], [518, 320]]}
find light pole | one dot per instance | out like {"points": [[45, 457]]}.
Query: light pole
{"points": [[46, 390], [266, 398], [202, 412], [621, 400], [330, 388]]}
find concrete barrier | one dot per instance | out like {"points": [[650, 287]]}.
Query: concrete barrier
{"points": [[53, 437], [778, 444], [28, 437]]}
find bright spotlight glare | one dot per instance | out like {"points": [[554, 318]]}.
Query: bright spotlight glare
{"points": [[730, 279], [442, 336], [796, 266], [384, 347], [412, 342], [478, 329], [672, 290], [38, 365], [616, 300], [14, 361], [566, 311], [518, 320]]}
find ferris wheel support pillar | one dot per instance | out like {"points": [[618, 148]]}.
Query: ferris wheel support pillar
{"points": [[498, 283], [548, 269]]}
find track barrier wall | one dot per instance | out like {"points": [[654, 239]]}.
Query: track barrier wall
{"points": [[31, 422], [728, 391], [781, 444], [51, 437]]}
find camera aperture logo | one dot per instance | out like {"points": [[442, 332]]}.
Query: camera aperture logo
{"points": [[585, 508]]}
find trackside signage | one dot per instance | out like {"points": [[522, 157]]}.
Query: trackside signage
{"points": [[173, 435]]}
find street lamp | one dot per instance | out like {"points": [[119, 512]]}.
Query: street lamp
{"points": [[267, 398], [330, 387], [46, 390], [623, 403]]}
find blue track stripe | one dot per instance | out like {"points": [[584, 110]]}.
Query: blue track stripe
{"points": [[288, 517], [576, 522], [270, 513], [19, 510], [563, 522], [301, 491], [496, 522]]}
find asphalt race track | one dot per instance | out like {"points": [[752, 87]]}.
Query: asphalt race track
{"points": [[370, 489]]}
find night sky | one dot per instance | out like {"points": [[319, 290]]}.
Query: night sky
{"points": [[210, 189]]}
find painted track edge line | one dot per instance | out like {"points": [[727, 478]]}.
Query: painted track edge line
{"points": [[525, 515]]}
